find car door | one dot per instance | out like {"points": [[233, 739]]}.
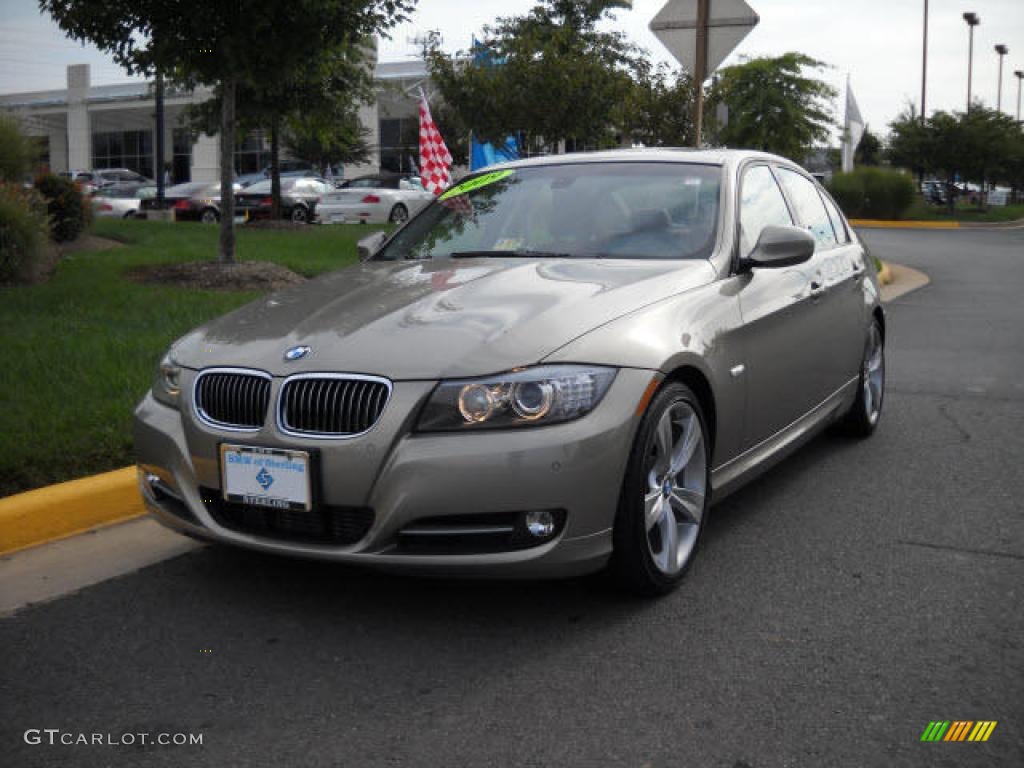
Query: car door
{"points": [[782, 363], [833, 287], [854, 261]]}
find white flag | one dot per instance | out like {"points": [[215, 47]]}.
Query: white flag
{"points": [[853, 128]]}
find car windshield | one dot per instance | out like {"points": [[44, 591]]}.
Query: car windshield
{"points": [[631, 210]]}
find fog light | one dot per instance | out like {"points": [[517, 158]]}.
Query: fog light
{"points": [[540, 524]]}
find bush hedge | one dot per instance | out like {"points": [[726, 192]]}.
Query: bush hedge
{"points": [[25, 249], [69, 211], [873, 193]]}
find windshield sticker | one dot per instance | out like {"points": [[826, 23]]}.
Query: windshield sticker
{"points": [[509, 244], [475, 183]]}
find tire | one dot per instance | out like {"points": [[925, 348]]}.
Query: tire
{"points": [[209, 216], [644, 559], [299, 214], [399, 214], [863, 416]]}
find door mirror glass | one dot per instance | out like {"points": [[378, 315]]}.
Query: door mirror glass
{"points": [[369, 245], [781, 247]]}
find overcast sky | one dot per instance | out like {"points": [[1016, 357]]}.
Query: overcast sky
{"points": [[878, 42]]}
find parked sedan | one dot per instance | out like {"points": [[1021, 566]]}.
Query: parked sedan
{"points": [[374, 200], [192, 201], [553, 369], [121, 202], [299, 198]]}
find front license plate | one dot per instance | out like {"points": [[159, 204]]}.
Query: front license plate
{"points": [[266, 477]]}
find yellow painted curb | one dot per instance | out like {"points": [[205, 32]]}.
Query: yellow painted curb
{"points": [[884, 274], [880, 224], [62, 510]]}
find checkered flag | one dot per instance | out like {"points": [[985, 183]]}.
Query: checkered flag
{"points": [[435, 160]]}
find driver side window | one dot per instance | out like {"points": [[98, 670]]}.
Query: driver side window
{"points": [[761, 205]]}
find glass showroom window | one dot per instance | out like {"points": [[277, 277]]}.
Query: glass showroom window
{"points": [[124, 149]]}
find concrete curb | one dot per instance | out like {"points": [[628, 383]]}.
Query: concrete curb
{"points": [[903, 280], [62, 510]]}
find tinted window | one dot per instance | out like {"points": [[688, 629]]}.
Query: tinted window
{"points": [[838, 224], [809, 207], [615, 210], [761, 205]]}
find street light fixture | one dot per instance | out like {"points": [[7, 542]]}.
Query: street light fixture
{"points": [[1002, 50], [972, 20]]}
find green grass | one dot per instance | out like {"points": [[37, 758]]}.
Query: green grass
{"points": [[921, 211], [78, 352]]}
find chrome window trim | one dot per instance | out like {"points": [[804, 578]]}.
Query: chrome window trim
{"points": [[283, 427], [201, 415]]}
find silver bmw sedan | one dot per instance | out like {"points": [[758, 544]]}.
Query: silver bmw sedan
{"points": [[553, 368]]}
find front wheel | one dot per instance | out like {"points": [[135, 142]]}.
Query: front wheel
{"points": [[209, 216], [299, 214], [863, 416], [665, 494]]}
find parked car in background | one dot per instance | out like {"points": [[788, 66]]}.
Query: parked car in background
{"points": [[555, 367], [120, 202], [299, 198], [121, 176], [289, 168], [193, 201], [374, 200]]}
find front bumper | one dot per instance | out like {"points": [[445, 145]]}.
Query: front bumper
{"points": [[405, 477]]}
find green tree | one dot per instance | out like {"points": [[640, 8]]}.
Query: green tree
{"points": [[17, 153], [869, 151], [223, 45], [551, 73], [327, 137], [774, 105], [658, 111]]}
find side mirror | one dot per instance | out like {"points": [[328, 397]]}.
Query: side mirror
{"points": [[370, 244], [781, 247]]}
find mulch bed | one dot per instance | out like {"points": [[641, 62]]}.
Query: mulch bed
{"points": [[212, 276]]}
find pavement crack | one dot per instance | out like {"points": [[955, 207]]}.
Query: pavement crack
{"points": [[963, 550], [964, 434]]}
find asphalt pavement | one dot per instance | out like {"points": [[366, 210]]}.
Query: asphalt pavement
{"points": [[842, 602]]}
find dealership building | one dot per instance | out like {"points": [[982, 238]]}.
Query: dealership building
{"points": [[84, 126]]}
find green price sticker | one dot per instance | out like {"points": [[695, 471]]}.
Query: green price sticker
{"points": [[475, 183]]}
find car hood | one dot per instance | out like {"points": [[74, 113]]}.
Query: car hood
{"points": [[435, 319]]}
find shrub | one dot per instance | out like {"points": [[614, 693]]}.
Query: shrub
{"points": [[873, 193], [25, 249], [69, 211]]}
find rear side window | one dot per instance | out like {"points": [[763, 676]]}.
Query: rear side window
{"points": [[761, 205], [838, 223], [809, 208]]}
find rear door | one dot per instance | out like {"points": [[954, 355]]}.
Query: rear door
{"points": [[782, 363]]}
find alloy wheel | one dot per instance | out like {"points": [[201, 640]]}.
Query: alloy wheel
{"points": [[676, 488], [873, 375]]}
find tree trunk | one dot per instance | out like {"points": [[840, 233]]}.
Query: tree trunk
{"points": [[275, 166], [227, 172]]}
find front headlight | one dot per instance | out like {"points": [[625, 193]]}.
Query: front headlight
{"points": [[541, 395], [167, 386]]}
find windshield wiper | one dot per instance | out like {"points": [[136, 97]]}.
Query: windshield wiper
{"points": [[524, 254]]}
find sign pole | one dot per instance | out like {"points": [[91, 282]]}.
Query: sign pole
{"points": [[700, 70]]}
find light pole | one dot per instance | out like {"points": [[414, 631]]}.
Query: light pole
{"points": [[972, 21], [924, 64], [1002, 50], [1019, 74]]}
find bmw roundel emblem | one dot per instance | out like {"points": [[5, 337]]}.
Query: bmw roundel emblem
{"points": [[296, 353]]}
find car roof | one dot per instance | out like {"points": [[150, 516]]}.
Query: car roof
{"points": [[730, 157]]}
